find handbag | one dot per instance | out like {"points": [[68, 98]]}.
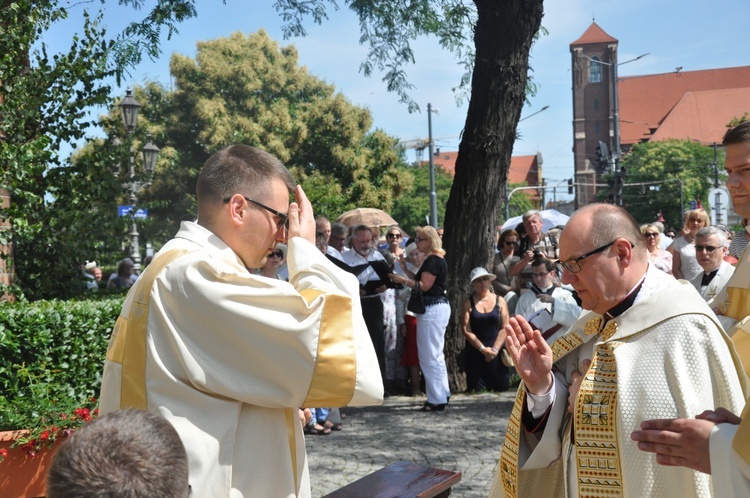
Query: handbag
{"points": [[416, 300], [505, 358]]}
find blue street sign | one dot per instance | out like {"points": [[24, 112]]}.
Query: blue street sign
{"points": [[125, 211]]}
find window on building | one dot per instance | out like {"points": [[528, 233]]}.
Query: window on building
{"points": [[596, 104], [595, 70]]}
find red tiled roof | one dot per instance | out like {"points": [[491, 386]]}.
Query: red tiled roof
{"points": [[704, 116], [647, 101], [522, 168], [594, 34]]}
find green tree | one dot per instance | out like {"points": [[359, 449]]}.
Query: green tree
{"points": [[497, 66], [59, 214], [413, 207], [520, 202], [247, 89], [654, 172]]}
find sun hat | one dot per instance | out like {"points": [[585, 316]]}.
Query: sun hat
{"points": [[480, 272], [283, 249]]}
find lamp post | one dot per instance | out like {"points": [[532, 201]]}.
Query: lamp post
{"points": [[129, 110], [534, 113], [433, 193]]}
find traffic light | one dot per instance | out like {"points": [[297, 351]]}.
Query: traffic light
{"points": [[618, 188], [602, 154], [570, 185]]}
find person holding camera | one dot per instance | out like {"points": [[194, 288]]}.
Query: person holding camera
{"points": [[534, 244]]}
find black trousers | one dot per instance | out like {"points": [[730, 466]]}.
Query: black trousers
{"points": [[372, 312]]}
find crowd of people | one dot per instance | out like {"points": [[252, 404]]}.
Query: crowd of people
{"points": [[629, 339]]}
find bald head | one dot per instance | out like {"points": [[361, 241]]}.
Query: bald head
{"points": [[604, 247], [607, 222]]}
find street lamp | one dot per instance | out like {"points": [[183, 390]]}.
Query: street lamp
{"points": [[534, 113], [129, 110], [433, 193]]}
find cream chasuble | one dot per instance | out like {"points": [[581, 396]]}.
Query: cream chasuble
{"points": [[665, 357], [734, 303], [730, 444], [227, 357]]}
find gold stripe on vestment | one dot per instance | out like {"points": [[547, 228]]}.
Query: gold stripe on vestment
{"points": [[128, 343], [595, 424], [508, 466], [737, 303], [334, 378]]}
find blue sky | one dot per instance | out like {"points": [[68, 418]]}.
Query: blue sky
{"points": [[694, 35]]}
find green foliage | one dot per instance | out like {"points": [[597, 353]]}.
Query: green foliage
{"points": [[388, 27], [661, 165], [519, 202], [247, 89], [412, 209], [62, 213], [51, 358]]}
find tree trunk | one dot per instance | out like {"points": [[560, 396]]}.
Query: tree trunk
{"points": [[503, 37]]}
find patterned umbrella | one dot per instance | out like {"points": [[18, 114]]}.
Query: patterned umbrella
{"points": [[372, 217]]}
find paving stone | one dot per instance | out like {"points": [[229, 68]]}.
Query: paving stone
{"points": [[466, 438]]}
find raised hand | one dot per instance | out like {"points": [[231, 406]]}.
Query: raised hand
{"points": [[301, 217], [531, 355]]}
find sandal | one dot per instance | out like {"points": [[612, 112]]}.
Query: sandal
{"points": [[429, 407], [316, 430], [330, 425]]}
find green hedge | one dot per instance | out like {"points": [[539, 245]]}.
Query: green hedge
{"points": [[52, 352]]}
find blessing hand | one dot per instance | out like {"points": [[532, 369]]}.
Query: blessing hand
{"points": [[531, 355]]}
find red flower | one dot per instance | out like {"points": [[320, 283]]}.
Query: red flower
{"points": [[44, 436], [3, 453]]}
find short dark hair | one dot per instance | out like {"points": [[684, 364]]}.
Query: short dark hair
{"points": [[338, 230], [548, 265], [127, 453], [738, 134], [239, 169], [504, 235]]}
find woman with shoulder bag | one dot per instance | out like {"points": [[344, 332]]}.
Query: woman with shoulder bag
{"points": [[431, 279], [483, 316]]}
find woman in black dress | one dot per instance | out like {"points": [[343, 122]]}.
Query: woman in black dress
{"points": [[483, 316]]}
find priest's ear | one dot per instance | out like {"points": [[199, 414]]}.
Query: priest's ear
{"points": [[625, 251]]}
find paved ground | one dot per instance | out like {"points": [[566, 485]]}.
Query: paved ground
{"points": [[466, 438]]}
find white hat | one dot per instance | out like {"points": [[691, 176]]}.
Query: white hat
{"points": [[283, 249], [480, 272]]}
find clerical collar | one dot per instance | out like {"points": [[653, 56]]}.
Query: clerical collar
{"points": [[626, 302], [548, 290], [707, 277]]}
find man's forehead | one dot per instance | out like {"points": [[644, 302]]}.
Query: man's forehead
{"points": [[738, 155], [575, 238], [709, 239]]}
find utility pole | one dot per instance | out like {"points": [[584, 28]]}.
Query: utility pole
{"points": [[433, 193]]}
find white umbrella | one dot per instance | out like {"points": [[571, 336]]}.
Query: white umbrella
{"points": [[550, 219]]}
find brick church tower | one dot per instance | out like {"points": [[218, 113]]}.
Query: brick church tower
{"points": [[592, 58]]}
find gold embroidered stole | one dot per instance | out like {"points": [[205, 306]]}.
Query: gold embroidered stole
{"points": [[508, 466], [127, 346], [595, 422], [741, 441]]}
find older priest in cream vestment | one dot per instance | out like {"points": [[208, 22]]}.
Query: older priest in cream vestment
{"points": [[227, 356], [649, 348]]}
